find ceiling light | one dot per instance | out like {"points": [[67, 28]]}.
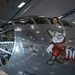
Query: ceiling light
{"points": [[37, 32], [21, 5]]}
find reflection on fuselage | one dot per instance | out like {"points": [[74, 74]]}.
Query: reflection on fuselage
{"points": [[33, 47]]}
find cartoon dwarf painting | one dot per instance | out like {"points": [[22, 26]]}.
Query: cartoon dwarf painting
{"points": [[57, 46]]}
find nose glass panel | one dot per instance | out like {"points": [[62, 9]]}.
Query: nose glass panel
{"points": [[6, 44]]}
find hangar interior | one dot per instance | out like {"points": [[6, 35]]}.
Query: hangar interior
{"points": [[26, 62]]}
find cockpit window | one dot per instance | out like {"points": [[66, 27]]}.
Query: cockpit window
{"points": [[50, 19], [61, 22], [41, 20], [24, 21]]}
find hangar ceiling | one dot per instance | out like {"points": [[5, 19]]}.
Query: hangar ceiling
{"points": [[49, 8], [8, 8]]}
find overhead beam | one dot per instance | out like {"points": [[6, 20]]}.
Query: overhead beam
{"points": [[22, 10]]}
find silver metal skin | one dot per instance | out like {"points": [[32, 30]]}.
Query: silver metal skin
{"points": [[28, 55]]}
